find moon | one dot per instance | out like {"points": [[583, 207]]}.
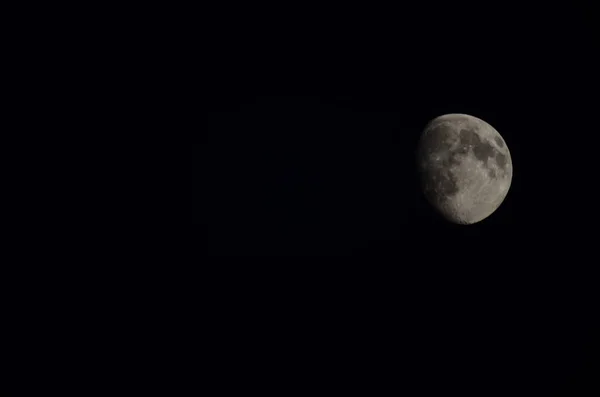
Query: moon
{"points": [[465, 167]]}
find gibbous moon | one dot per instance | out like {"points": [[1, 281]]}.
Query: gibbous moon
{"points": [[465, 167]]}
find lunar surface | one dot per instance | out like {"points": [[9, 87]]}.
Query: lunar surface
{"points": [[465, 167]]}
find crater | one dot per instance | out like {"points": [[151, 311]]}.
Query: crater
{"points": [[440, 183], [500, 160], [436, 139], [481, 150]]}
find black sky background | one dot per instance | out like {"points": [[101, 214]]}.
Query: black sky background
{"points": [[308, 151]]}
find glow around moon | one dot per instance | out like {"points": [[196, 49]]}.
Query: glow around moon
{"points": [[465, 167]]}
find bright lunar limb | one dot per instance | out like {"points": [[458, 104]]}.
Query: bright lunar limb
{"points": [[465, 167]]}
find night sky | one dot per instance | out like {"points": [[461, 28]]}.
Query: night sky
{"points": [[305, 161]]}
